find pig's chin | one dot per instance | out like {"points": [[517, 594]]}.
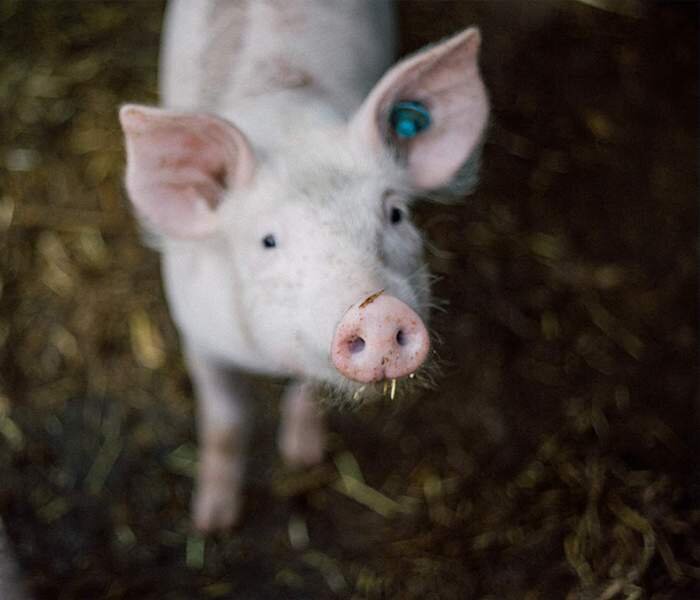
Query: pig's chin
{"points": [[337, 390], [340, 391]]}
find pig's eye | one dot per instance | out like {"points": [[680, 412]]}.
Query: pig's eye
{"points": [[396, 215], [269, 241]]}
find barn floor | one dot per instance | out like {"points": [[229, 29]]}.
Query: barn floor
{"points": [[555, 458]]}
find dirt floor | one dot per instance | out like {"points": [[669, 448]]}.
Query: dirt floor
{"points": [[556, 457]]}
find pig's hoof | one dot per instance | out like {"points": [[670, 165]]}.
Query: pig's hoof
{"points": [[299, 450], [215, 510]]}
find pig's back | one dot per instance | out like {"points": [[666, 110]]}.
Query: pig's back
{"points": [[217, 53]]}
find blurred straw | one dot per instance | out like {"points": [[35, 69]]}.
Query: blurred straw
{"points": [[10, 586], [627, 8]]}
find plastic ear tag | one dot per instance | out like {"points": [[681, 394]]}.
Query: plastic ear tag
{"points": [[409, 118]]}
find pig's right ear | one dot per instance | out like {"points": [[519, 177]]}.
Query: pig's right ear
{"points": [[179, 166], [430, 110]]}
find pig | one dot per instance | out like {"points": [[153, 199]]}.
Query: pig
{"points": [[277, 178]]}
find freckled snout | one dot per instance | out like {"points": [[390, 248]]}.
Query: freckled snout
{"points": [[379, 338]]}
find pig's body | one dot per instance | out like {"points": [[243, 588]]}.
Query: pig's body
{"points": [[278, 69], [274, 66], [279, 180]]}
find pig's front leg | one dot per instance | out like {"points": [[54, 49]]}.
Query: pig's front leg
{"points": [[222, 422], [302, 435]]}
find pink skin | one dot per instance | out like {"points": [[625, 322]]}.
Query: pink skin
{"points": [[379, 338]]}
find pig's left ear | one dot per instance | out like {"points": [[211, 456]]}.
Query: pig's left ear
{"points": [[179, 166], [430, 109]]}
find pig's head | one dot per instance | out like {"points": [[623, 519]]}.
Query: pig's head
{"points": [[326, 265]]}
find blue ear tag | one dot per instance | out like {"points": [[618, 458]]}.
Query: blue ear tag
{"points": [[409, 118]]}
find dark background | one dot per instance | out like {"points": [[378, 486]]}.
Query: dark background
{"points": [[556, 456]]}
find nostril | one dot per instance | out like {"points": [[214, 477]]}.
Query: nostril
{"points": [[401, 338], [356, 345]]}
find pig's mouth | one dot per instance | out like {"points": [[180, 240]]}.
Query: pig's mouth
{"points": [[348, 394]]}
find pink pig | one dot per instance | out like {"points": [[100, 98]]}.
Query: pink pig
{"points": [[278, 180]]}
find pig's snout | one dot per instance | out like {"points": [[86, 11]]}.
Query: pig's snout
{"points": [[379, 338]]}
